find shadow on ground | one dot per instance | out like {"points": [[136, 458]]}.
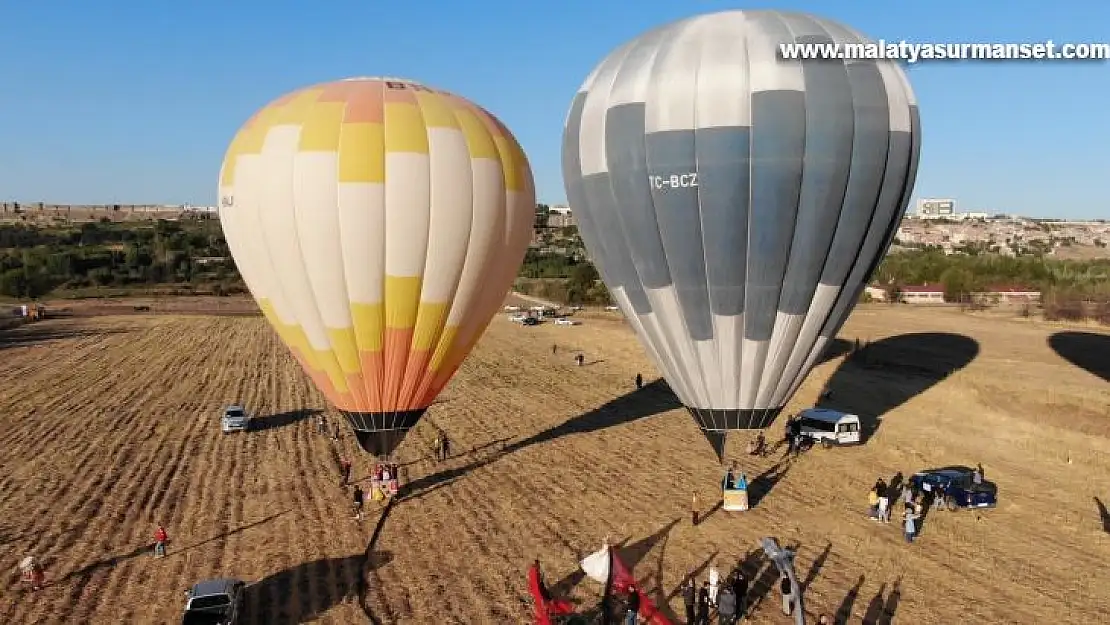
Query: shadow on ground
{"points": [[1087, 350], [884, 374], [1103, 515], [304, 592], [45, 332], [282, 419]]}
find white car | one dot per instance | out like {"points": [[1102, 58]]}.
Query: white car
{"points": [[512, 308], [517, 318], [235, 419], [612, 308], [563, 321]]}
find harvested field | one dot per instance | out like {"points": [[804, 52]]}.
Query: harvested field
{"points": [[109, 426]]}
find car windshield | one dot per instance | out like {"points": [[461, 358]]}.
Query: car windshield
{"points": [[817, 424], [234, 412], [209, 601]]}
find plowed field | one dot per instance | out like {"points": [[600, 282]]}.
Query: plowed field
{"points": [[109, 426]]}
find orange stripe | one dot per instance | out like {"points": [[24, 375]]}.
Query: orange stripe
{"points": [[415, 371], [398, 341], [372, 370]]}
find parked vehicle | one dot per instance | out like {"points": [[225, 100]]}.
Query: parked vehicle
{"points": [[830, 427], [566, 321], [958, 487], [531, 321], [235, 419], [214, 602]]}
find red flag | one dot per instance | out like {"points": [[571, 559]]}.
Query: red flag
{"points": [[623, 580], [546, 607]]}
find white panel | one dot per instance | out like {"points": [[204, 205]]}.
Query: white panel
{"points": [[840, 33], [896, 96], [751, 362], [769, 72], [231, 223], [727, 331], [668, 312], [824, 298], [669, 361], [592, 134], [252, 175], [315, 202], [406, 213], [486, 234], [709, 366], [362, 237], [632, 80], [670, 94], [451, 213], [723, 93], [591, 80], [784, 342], [279, 228]]}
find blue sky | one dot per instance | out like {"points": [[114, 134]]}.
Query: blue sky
{"points": [[135, 102]]}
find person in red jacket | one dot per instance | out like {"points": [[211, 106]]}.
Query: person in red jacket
{"points": [[160, 538]]}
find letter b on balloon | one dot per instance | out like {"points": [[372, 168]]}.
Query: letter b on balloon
{"points": [[774, 189]]}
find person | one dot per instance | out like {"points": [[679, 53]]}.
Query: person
{"points": [[345, 470], [742, 482], [787, 595], [880, 486], [358, 502], [823, 619], [740, 589], [321, 425], [907, 495], [580, 358], [694, 510], [160, 538], [751, 447], [911, 524], [730, 478], [554, 348], [977, 475], [437, 446], [726, 606], [639, 381], [446, 446], [690, 599], [884, 506], [714, 584], [633, 609], [788, 435], [872, 505], [703, 605]]}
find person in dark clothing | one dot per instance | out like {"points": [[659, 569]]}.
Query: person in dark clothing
{"points": [[639, 381], [345, 471], [358, 499], [580, 359], [633, 608], [446, 446], [787, 590], [740, 589], [690, 600], [726, 606], [703, 605]]}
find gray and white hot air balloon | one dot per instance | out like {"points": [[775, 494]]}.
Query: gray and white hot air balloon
{"points": [[736, 203]]}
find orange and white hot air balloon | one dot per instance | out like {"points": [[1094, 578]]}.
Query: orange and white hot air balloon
{"points": [[379, 224]]}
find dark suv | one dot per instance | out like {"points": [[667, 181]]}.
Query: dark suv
{"points": [[214, 602], [958, 487]]}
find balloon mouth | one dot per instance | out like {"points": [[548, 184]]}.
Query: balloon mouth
{"points": [[715, 424], [380, 433]]}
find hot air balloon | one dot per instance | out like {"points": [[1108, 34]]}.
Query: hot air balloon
{"points": [[378, 223], [736, 203]]}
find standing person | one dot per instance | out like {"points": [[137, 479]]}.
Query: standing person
{"points": [[639, 381], [703, 605], [554, 348], [358, 502], [714, 584], [690, 599], [726, 606], [977, 474], [345, 468], [581, 358], [873, 505], [787, 595], [907, 494], [633, 608], [446, 446], [740, 589], [884, 506], [911, 524], [694, 510], [321, 425], [160, 538], [437, 445]]}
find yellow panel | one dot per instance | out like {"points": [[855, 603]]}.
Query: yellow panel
{"points": [[330, 365], [369, 326], [444, 348], [437, 111], [429, 321], [320, 131], [404, 129], [345, 349], [510, 164], [402, 296], [296, 110], [362, 153], [478, 139]]}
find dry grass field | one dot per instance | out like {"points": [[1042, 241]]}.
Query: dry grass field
{"points": [[109, 425]]}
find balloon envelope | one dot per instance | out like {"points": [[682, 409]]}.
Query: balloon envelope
{"points": [[736, 203], [378, 223]]}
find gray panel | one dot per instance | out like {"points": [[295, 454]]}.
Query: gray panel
{"points": [[868, 162], [576, 192], [626, 154], [778, 144], [672, 163], [724, 177], [829, 130], [605, 213]]}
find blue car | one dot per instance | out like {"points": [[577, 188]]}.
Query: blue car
{"points": [[958, 487]]}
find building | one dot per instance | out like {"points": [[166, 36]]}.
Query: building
{"points": [[922, 294], [928, 208], [875, 293]]}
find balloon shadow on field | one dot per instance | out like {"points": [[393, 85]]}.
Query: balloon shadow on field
{"points": [[45, 332], [304, 592], [282, 419], [882, 375], [1087, 350]]}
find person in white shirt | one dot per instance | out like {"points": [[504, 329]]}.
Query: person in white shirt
{"points": [[714, 583]]}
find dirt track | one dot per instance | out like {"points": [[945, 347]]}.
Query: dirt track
{"points": [[109, 426]]}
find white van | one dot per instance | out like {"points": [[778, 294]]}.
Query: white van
{"points": [[830, 427]]}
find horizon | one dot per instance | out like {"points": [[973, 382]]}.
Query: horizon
{"points": [[145, 119]]}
